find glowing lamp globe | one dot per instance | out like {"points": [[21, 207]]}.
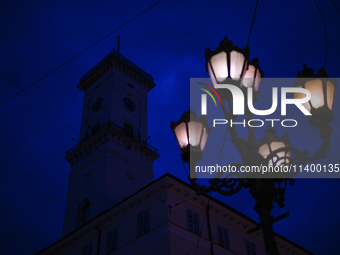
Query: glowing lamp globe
{"points": [[322, 90], [191, 134], [253, 75], [276, 148], [227, 64]]}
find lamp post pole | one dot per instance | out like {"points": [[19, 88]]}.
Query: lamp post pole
{"points": [[263, 195]]}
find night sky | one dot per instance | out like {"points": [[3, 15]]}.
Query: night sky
{"points": [[168, 41]]}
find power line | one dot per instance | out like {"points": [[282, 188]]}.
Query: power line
{"points": [[265, 97], [252, 23], [334, 144], [325, 28], [21, 90], [55, 69], [335, 5], [44, 106]]}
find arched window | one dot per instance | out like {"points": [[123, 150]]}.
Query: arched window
{"points": [[83, 212]]}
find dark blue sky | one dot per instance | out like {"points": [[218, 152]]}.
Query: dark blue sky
{"points": [[168, 42]]}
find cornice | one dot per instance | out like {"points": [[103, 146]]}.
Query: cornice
{"points": [[109, 133], [120, 63]]}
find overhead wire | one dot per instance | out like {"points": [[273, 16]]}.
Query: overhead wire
{"points": [[35, 100], [335, 5], [77, 55], [325, 28], [55, 69], [334, 144], [266, 98], [251, 28], [252, 23]]}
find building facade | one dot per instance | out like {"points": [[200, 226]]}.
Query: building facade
{"points": [[114, 206]]}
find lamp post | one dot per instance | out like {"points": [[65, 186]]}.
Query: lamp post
{"points": [[227, 62], [253, 75], [322, 90], [229, 65], [270, 144], [191, 134]]}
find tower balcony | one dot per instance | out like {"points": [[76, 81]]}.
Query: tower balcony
{"points": [[113, 132]]}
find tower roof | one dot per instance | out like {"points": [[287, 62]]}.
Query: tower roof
{"points": [[114, 55]]}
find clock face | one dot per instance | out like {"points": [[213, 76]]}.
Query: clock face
{"points": [[129, 104], [97, 105]]}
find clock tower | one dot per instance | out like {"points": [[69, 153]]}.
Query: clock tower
{"points": [[112, 159]]}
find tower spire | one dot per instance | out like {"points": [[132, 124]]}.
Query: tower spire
{"points": [[118, 44]]}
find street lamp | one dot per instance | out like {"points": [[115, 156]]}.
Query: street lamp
{"points": [[191, 134], [276, 148], [253, 75], [322, 90], [265, 191], [271, 151], [227, 63]]}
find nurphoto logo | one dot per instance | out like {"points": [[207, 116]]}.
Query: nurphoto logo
{"points": [[238, 104]]}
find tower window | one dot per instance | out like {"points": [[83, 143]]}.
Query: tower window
{"points": [[129, 104], [97, 105], [193, 222], [87, 249], [223, 238], [83, 213], [128, 129], [143, 223], [250, 247], [112, 241]]}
